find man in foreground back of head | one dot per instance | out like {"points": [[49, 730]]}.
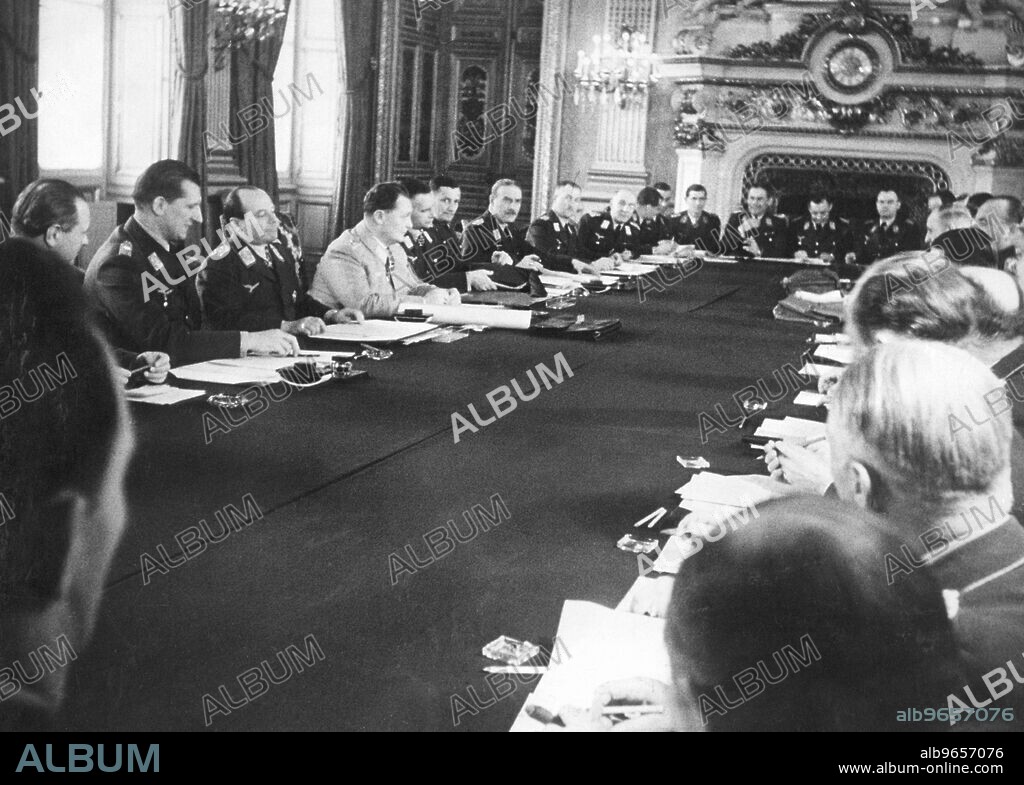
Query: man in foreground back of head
{"points": [[64, 451], [928, 448]]}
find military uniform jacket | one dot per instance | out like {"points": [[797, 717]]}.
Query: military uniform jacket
{"points": [[967, 246], [436, 257], [705, 234], [557, 239], [770, 235], [878, 242], [487, 234], [241, 291], [652, 232], [832, 237], [146, 301], [600, 236]]}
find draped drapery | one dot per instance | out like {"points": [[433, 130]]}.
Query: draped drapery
{"points": [[193, 68], [358, 29], [19, 76], [252, 91]]}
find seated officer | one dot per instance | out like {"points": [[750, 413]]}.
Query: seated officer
{"points": [[819, 235], [53, 216], [434, 252], [557, 233], [367, 267], [143, 292], [252, 283], [493, 238], [753, 232], [654, 237], [961, 241], [886, 236], [696, 227], [613, 231]]}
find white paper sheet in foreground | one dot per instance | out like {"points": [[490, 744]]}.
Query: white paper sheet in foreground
{"points": [[162, 395], [596, 645]]}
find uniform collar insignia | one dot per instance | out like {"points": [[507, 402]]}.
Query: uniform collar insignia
{"points": [[247, 256], [155, 261], [125, 249]]}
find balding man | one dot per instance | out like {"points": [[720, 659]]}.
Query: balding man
{"points": [[144, 293], [251, 282], [905, 445], [53, 215], [493, 239], [613, 231]]}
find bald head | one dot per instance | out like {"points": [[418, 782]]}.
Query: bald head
{"points": [[622, 205], [249, 211]]}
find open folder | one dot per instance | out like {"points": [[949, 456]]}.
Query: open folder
{"points": [[596, 645], [372, 331]]}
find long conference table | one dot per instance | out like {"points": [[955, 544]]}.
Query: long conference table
{"points": [[347, 474]]}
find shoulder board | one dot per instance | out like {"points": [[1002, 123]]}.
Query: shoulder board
{"points": [[125, 249]]}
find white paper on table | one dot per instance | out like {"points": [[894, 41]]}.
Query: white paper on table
{"points": [[741, 490], [650, 258], [632, 268], [807, 398], [835, 296], [596, 645], [277, 363], [837, 354], [831, 338], [791, 428], [162, 394], [373, 331], [564, 279], [813, 369], [486, 315], [214, 372]]}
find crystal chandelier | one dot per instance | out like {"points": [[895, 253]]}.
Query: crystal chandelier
{"points": [[625, 69], [240, 22]]}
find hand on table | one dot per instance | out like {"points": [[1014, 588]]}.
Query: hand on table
{"points": [[626, 693], [649, 595], [311, 325], [807, 470], [157, 365], [275, 343], [800, 256], [346, 316], [480, 281], [501, 259], [442, 297], [665, 248], [752, 247], [531, 262]]}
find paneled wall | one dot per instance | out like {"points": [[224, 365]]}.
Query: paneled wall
{"points": [[455, 94]]}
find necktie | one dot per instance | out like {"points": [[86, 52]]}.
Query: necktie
{"points": [[389, 268]]}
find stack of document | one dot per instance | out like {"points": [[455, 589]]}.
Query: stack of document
{"points": [[162, 395], [708, 492], [793, 428], [373, 331], [813, 369], [835, 353], [485, 315], [248, 370], [596, 645]]}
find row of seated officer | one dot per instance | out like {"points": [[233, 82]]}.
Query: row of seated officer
{"points": [[247, 296]]}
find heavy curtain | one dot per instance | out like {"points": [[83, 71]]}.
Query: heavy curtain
{"points": [[19, 75], [359, 29], [252, 86]]}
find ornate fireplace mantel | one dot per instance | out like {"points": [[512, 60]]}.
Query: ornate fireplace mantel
{"points": [[854, 83]]}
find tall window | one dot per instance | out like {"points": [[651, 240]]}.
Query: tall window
{"points": [[306, 94], [72, 65]]}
